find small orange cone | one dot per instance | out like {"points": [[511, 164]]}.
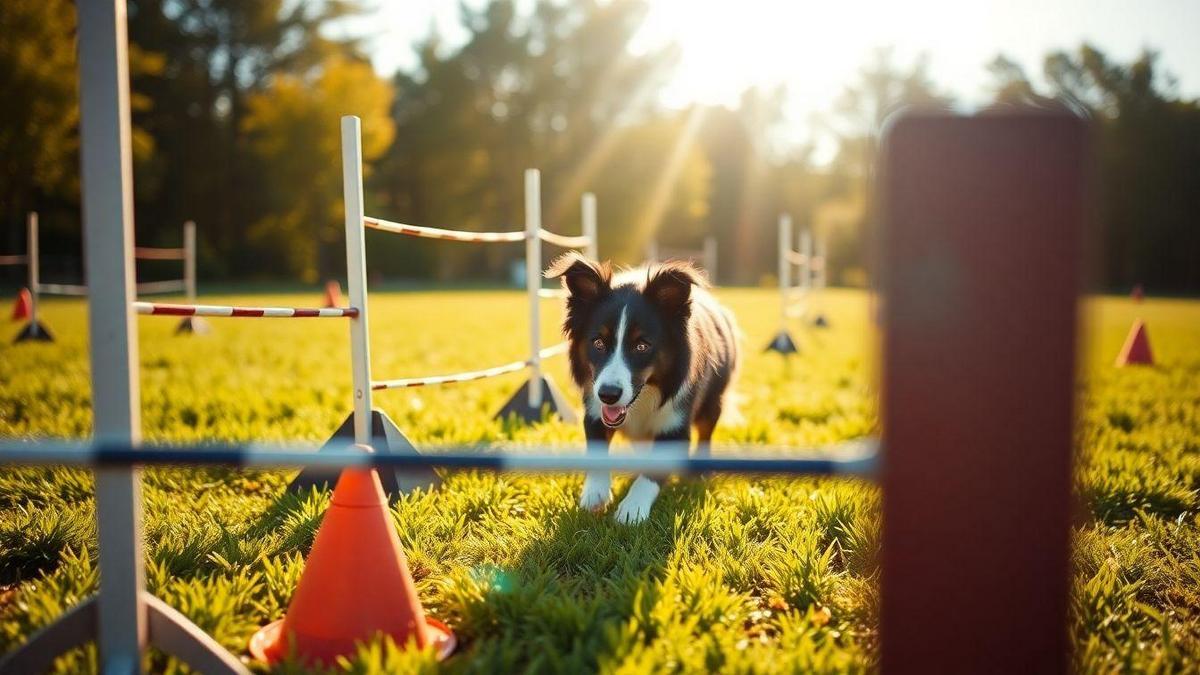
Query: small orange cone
{"points": [[1137, 347], [1137, 293], [355, 585], [333, 293], [21, 306]]}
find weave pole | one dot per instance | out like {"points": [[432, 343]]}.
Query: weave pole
{"points": [[710, 258], [34, 330], [782, 342], [978, 388]]}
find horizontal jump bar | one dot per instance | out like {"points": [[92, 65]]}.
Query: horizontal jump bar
{"points": [[468, 376], [62, 289], [161, 309], [14, 259], [152, 253], [438, 233], [855, 458], [563, 240], [169, 286]]}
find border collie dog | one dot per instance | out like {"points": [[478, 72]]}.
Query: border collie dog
{"points": [[653, 354]]}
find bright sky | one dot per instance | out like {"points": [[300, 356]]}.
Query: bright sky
{"points": [[816, 48]]}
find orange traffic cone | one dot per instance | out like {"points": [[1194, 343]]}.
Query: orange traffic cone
{"points": [[355, 585], [1137, 293], [1137, 347], [333, 293], [21, 306]]}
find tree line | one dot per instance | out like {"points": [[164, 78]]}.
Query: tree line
{"points": [[235, 108]]}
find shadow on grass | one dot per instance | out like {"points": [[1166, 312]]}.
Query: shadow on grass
{"points": [[566, 603]]}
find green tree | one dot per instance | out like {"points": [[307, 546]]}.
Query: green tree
{"points": [[38, 122], [294, 129]]}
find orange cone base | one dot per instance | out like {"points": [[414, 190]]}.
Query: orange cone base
{"points": [[269, 646]]}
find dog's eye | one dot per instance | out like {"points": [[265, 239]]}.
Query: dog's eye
{"points": [[642, 346], [598, 344]]}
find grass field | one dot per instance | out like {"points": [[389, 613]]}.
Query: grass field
{"points": [[731, 574]]}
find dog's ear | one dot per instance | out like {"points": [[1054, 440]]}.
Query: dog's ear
{"points": [[587, 280], [670, 285]]}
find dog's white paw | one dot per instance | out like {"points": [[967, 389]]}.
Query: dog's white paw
{"points": [[597, 492], [636, 506]]}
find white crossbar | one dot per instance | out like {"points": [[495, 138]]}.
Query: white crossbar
{"points": [[438, 233]]}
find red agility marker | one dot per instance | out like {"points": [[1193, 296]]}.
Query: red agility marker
{"points": [[21, 306], [978, 389], [1138, 293], [1136, 351]]}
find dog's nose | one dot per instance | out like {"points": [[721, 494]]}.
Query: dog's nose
{"points": [[609, 394]]}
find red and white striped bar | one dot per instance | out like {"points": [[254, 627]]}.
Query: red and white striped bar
{"points": [[169, 286], [563, 240], [14, 259], [469, 376], [438, 233], [162, 309], [152, 253]]}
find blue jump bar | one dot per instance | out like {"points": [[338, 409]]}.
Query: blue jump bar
{"points": [[857, 458]]}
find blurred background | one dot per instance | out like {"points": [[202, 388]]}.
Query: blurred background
{"points": [[686, 119]]}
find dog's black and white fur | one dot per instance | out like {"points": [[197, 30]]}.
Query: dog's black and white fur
{"points": [[653, 354]]}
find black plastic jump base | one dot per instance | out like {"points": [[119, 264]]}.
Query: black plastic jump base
{"points": [[386, 438], [34, 331], [193, 325], [552, 400], [820, 321], [782, 343]]}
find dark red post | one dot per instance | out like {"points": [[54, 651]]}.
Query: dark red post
{"points": [[981, 250]]}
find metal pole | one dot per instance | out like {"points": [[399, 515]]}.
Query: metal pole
{"points": [[785, 265], [651, 251], [108, 221], [806, 250], [31, 261], [592, 251], [710, 257], [533, 281], [189, 260], [820, 269], [356, 276]]}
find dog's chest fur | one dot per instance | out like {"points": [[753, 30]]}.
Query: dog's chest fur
{"points": [[648, 418]]}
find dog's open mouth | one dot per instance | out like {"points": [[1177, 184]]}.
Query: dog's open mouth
{"points": [[613, 415]]}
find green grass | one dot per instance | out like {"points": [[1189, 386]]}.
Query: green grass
{"points": [[733, 574]]}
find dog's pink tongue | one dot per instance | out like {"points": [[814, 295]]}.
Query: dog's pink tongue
{"points": [[612, 413]]}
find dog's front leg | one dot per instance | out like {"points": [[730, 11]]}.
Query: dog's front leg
{"points": [[635, 507], [597, 485]]}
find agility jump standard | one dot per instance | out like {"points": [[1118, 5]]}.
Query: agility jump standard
{"points": [[706, 255], [793, 299], [35, 330], [978, 387]]}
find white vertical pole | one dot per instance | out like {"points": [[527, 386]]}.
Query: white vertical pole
{"points": [[356, 276], [533, 280], [652, 251], [592, 251], [806, 250], [189, 260], [785, 265], [32, 265], [710, 257], [107, 178], [822, 267]]}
